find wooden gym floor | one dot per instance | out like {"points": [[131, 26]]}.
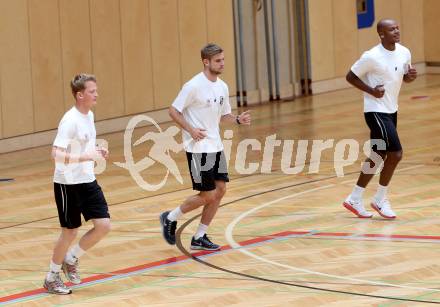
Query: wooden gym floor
{"points": [[286, 239]]}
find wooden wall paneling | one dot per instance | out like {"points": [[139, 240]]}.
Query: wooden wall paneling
{"points": [[431, 26], [322, 48], [250, 53], [259, 46], [412, 33], [345, 35], [107, 57], [220, 25], [388, 9], [283, 40], [136, 56], [47, 77], [15, 77], [165, 50], [75, 42], [192, 36], [367, 38], [1, 115]]}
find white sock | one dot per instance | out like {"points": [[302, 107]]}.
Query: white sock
{"points": [[175, 214], [356, 194], [381, 192], [53, 269], [74, 253], [201, 231]]}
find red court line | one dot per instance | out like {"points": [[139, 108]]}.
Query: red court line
{"points": [[102, 277], [420, 97], [141, 267], [346, 234]]}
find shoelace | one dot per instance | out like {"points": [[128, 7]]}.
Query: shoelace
{"points": [[58, 282], [72, 267], [384, 204], [205, 237], [357, 205], [355, 202], [171, 228]]}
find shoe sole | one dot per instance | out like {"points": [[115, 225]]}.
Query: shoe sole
{"points": [[203, 248], [162, 223], [375, 207], [75, 282], [355, 212], [58, 293]]}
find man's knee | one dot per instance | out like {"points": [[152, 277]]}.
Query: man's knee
{"points": [[69, 234], [102, 225], [209, 196], [395, 156], [220, 191]]}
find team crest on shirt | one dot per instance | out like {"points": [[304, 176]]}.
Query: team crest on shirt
{"points": [[84, 139], [220, 100]]}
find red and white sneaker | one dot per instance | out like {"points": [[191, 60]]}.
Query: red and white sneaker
{"points": [[357, 208], [383, 207]]}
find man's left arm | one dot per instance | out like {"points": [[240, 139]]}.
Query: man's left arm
{"points": [[242, 119], [411, 75]]}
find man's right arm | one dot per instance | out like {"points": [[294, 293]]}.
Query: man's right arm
{"points": [[354, 80], [196, 133], [66, 149], [61, 155]]}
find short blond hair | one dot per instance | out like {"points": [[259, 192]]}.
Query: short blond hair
{"points": [[78, 83], [210, 50]]}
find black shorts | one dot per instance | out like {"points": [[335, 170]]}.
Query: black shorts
{"points": [[76, 199], [206, 168], [383, 126]]}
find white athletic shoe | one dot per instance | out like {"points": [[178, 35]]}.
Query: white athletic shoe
{"points": [[72, 272], [56, 286], [383, 207], [357, 207]]}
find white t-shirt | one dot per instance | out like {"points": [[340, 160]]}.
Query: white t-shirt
{"points": [[202, 103], [76, 131], [381, 66]]}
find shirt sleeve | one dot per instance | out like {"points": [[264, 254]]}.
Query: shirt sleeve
{"points": [[65, 134], [363, 65], [226, 108], [184, 98]]}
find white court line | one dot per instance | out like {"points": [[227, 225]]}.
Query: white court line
{"points": [[397, 171], [235, 245]]}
